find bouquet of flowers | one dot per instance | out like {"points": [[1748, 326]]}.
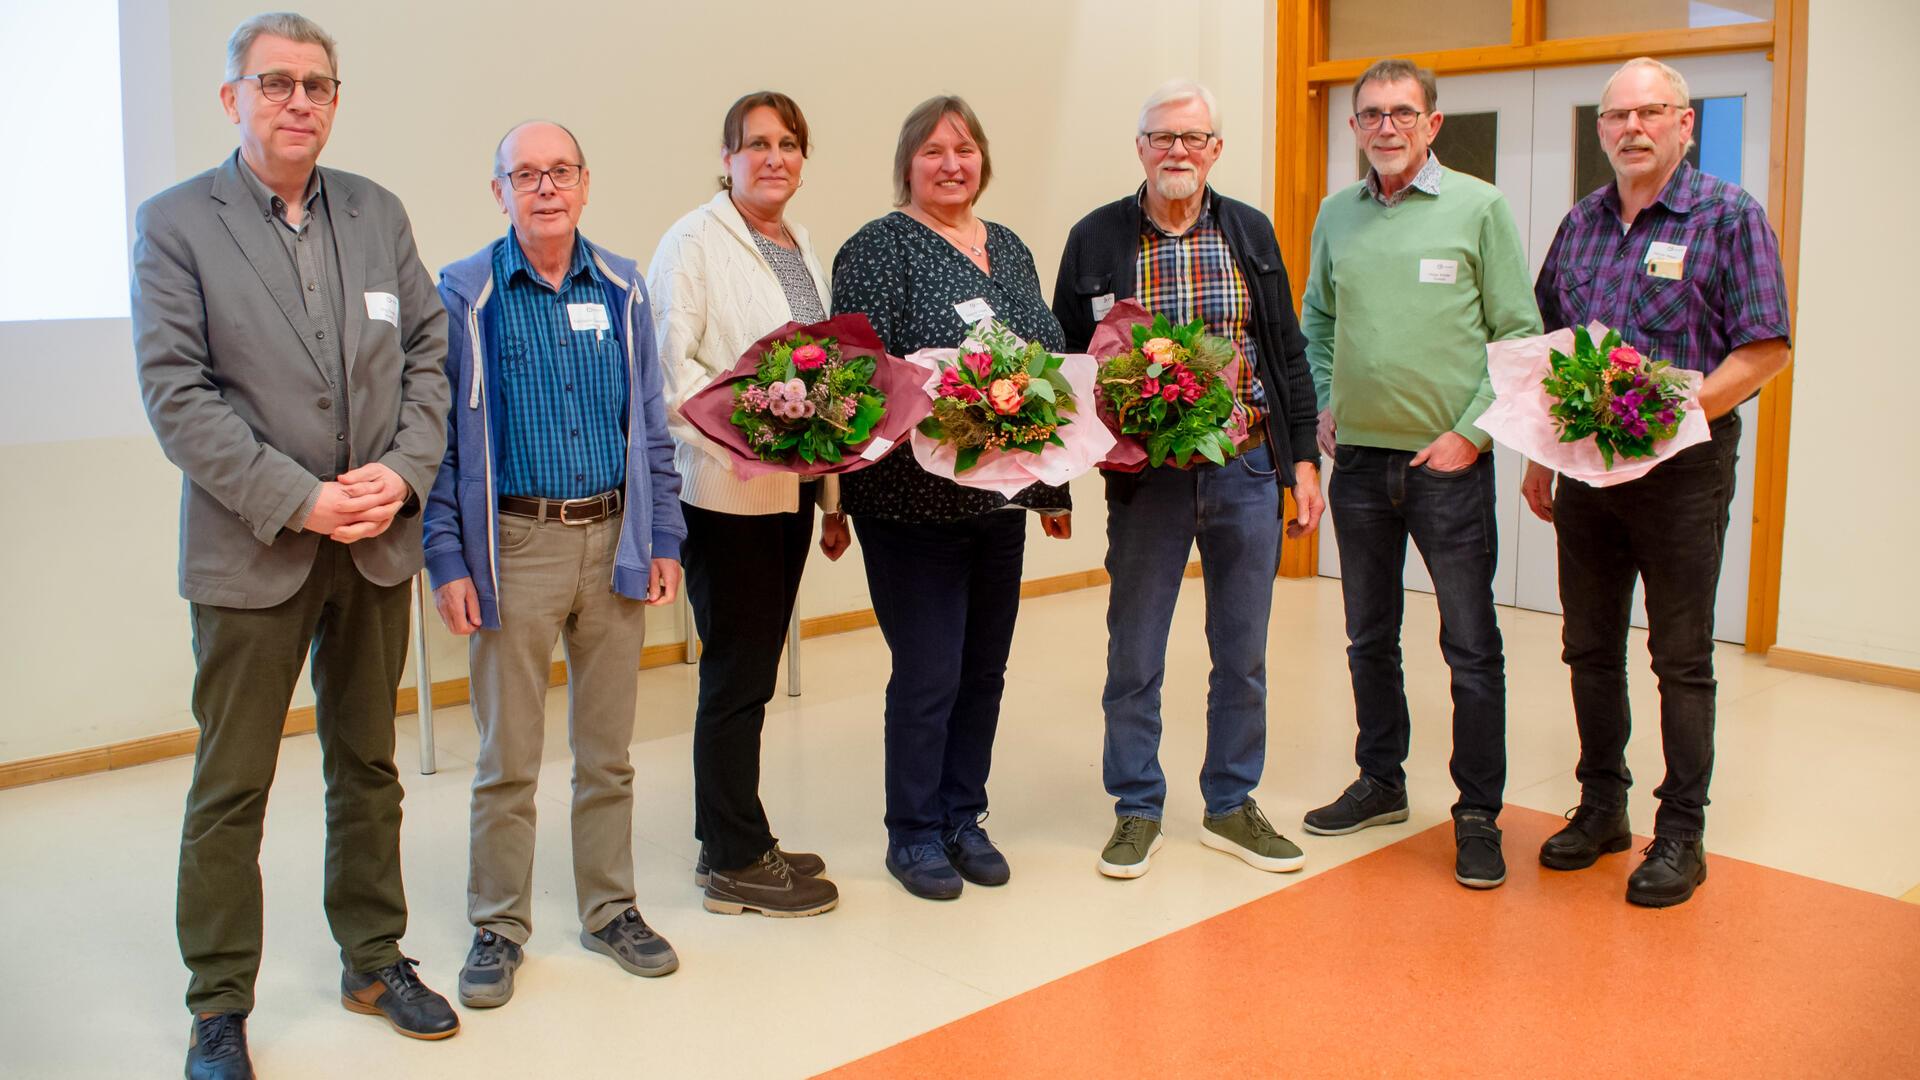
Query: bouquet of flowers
{"points": [[1613, 395], [1167, 390], [1602, 414], [813, 400], [1005, 394]]}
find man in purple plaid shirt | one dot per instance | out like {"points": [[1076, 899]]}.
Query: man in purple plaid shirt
{"points": [[1686, 268]]}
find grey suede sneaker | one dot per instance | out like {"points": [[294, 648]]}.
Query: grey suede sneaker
{"points": [[1247, 835], [1133, 843], [633, 945], [486, 982]]}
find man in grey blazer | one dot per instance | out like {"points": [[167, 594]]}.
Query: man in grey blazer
{"points": [[291, 349]]}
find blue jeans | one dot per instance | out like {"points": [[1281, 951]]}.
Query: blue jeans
{"points": [[1378, 499], [1233, 511]]}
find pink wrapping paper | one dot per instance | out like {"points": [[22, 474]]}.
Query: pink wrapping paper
{"points": [[711, 409], [1114, 336], [1008, 472], [1519, 417]]}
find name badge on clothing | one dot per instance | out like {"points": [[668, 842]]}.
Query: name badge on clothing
{"points": [[974, 310], [1439, 271], [1101, 305], [1666, 260], [589, 317], [384, 306]]}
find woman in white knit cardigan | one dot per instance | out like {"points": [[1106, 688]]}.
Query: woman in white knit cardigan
{"points": [[724, 276]]}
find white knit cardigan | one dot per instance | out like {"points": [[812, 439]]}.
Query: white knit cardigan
{"points": [[714, 294]]}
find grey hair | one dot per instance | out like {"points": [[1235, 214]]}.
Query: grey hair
{"points": [[1181, 90], [500, 165], [1393, 69], [283, 24], [1676, 81]]}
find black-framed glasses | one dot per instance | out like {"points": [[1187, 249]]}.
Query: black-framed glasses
{"points": [[565, 176], [1648, 114], [1403, 116], [277, 87], [1195, 141]]}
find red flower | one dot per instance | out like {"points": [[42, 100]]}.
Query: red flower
{"points": [[1170, 393], [981, 364], [1625, 357], [808, 357], [1149, 387]]}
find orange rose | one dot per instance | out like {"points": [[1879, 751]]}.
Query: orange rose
{"points": [[1004, 396]]}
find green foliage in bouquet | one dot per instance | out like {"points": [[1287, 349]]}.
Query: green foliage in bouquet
{"points": [[1611, 393], [1168, 391], [806, 400], [1007, 395]]}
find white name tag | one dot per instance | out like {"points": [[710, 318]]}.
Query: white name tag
{"points": [[384, 306], [974, 310], [877, 448], [1101, 305], [1439, 271], [1666, 260], [588, 317]]}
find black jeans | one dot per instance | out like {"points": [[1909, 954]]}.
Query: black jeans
{"points": [[1667, 528], [1378, 499], [946, 596], [743, 572]]}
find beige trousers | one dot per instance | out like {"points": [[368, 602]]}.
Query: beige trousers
{"points": [[556, 583]]}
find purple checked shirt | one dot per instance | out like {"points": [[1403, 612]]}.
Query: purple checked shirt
{"points": [[1731, 290]]}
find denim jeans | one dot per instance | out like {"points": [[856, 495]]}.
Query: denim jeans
{"points": [[1233, 511], [1667, 528], [1378, 499], [946, 595]]}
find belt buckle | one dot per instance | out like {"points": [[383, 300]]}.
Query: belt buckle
{"points": [[597, 502]]}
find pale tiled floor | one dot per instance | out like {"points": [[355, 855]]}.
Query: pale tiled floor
{"points": [[1810, 779]]}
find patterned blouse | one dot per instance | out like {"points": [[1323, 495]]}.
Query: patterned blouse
{"points": [[791, 269], [906, 279]]}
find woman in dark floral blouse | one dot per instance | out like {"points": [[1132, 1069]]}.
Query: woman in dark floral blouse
{"points": [[943, 561]]}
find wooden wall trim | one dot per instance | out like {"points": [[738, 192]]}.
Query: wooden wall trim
{"points": [[1745, 37], [1840, 667], [1299, 183]]}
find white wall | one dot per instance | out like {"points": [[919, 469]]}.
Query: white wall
{"points": [[94, 637], [1850, 582]]}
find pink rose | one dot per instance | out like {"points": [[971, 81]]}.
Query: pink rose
{"points": [[1004, 396], [808, 357], [950, 384], [981, 364], [1625, 357], [1170, 393], [1149, 386]]}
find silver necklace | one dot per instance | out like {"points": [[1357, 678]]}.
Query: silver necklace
{"points": [[980, 230]]}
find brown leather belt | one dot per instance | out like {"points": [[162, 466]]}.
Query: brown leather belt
{"points": [[1255, 439], [565, 511]]}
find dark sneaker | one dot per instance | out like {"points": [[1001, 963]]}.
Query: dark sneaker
{"points": [[804, 863], [1132, 844], [1477, 862], [396, 993], [1247, 835], [924, 870], [486, 982], [633, 945], [974, 855], [770, 886], [1362, 805], [217, 1048], [1589, 834], [1672, 870]]}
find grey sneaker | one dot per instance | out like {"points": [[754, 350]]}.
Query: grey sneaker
{"points": [[1247, 835], [1133, 843], [633, 945], [486, 982]]}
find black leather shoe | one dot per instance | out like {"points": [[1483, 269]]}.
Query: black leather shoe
{"points": [[1477, 862], [1364, 804], [1589, 834], [1672, 870], [396, 993], [217, 1049]]}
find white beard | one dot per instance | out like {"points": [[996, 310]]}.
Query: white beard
{"points": [[1176, 185]]}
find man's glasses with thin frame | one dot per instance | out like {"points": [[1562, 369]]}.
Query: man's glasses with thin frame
{"points": [[1195, 141], [274, 86], [1649, 114], [1403, 116], [565, 176]]}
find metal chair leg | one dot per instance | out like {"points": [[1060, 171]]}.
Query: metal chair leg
{"points": [[423, 674]]}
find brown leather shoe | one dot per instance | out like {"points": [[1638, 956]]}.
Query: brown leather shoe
{"points": [[771, 887], [803, 863]]}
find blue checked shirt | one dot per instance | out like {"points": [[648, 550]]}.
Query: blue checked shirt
{"points": [[563, 432]]}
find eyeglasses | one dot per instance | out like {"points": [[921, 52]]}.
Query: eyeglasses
{"points": [[565, 176], [277, 87], [1403, 117], [1617, 118], [1192, 140]]}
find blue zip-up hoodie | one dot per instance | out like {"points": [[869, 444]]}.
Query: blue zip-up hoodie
{"points": [[460, 537]]}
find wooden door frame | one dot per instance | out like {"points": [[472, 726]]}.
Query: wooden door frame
{"points": [[1303, 73]]}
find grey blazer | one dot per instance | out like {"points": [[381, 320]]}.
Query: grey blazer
{"points": [[238, 398]]}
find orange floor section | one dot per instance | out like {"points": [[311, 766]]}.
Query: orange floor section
{"points": [[1385, 967]]}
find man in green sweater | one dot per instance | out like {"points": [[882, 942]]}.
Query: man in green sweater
{"points": [[1414, 270]]}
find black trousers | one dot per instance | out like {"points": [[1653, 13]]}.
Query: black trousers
{"points": [[946, 596], [1667, 528], [743, 573]]}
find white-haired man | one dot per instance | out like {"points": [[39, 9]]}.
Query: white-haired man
{"points": [[1188, 253]]}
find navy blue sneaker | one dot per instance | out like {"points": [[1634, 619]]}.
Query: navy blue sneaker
{"points": [[924, 869], [217, 1049], [975, 856]]}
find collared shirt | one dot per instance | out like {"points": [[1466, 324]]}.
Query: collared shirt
{"points": [[563, 382], [1194, 275], [1427, 180], [1730, 290]]}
